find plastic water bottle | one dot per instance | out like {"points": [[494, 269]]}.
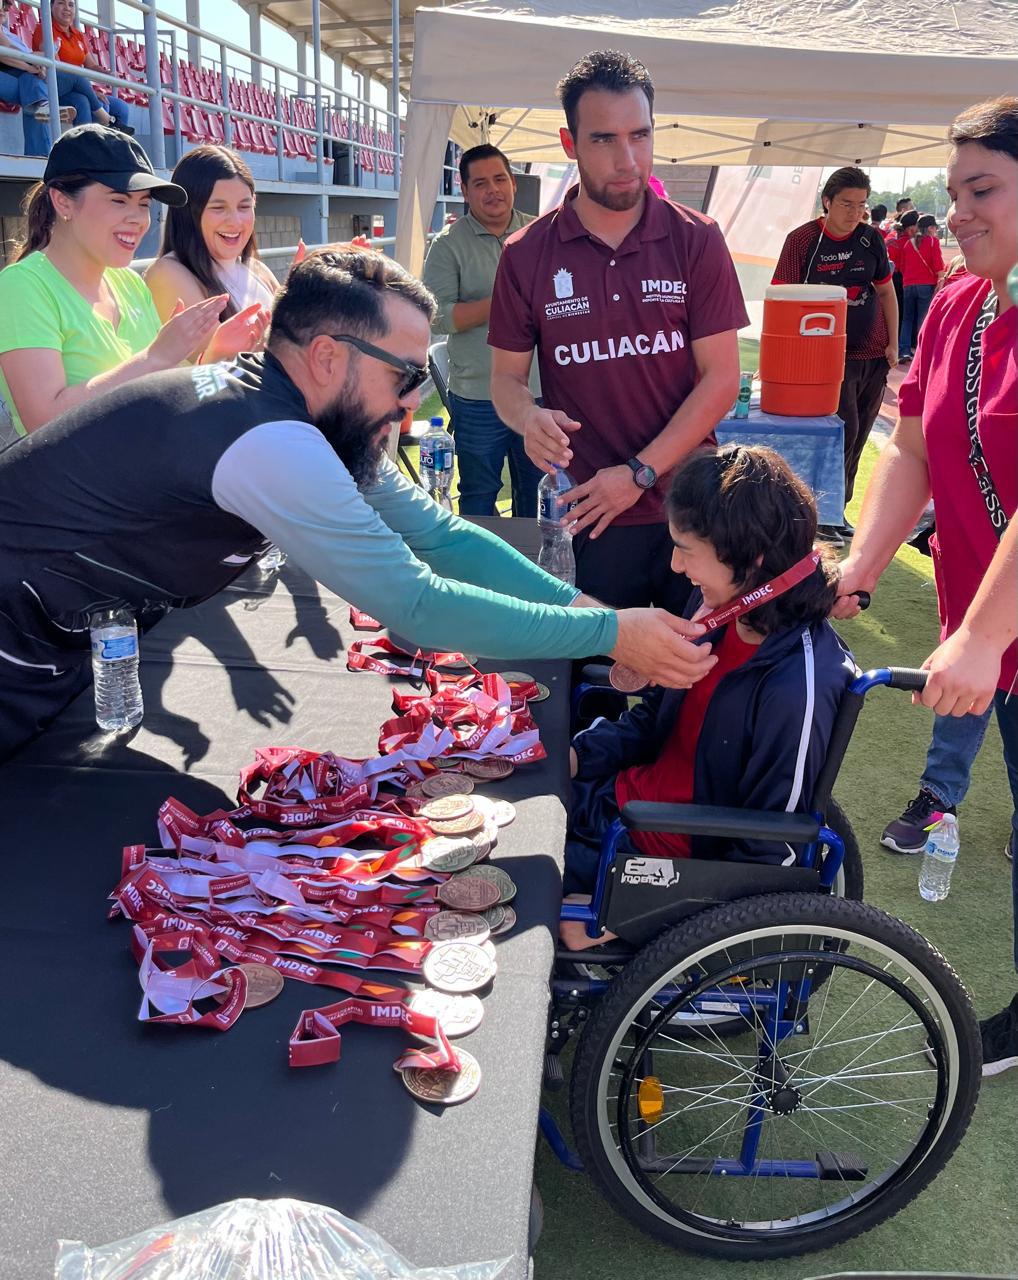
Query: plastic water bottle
{"points": [[438, 454], [939, 859], [118, 703], [745, 394], [556, 554], [272, 560]]}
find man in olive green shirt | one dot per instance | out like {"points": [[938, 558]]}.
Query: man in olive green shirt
{"points": [[460, 272]]}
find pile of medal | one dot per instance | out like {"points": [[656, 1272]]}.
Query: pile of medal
{"points": [[275, 889]]}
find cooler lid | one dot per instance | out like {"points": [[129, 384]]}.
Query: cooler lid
{"points": [[805, 293]]}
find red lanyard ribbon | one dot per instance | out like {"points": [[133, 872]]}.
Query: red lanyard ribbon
{"points": [[316, 1040], [761, 595], [420, 661], [626, 680]]}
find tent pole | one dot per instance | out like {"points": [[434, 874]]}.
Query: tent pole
{"points": [[394, 92], [709, 189]]}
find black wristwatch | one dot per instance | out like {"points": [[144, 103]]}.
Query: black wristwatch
{"points": [[643, 473]]}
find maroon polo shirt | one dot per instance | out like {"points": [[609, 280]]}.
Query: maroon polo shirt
{"points": [[613, 327]]}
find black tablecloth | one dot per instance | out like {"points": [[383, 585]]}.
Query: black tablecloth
{"points": [[111, 1126]]}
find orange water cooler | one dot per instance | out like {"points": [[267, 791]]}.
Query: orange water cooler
{"points": [[802, 349]]}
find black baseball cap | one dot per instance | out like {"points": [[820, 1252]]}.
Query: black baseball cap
{"points": [[115, 159]]}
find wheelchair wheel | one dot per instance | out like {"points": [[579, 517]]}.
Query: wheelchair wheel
{"points": [[820, 1119], [849, 881]]}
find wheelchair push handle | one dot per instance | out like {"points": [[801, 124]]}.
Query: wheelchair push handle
{"points": [[907, 678], [863, 599]]}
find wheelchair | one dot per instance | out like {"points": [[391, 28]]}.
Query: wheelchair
{"points": [[764, 1065]]}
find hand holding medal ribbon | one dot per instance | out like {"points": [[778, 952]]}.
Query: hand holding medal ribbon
{"points": [[626, 680]]}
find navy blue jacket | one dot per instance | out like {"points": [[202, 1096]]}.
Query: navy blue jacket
{"points": [[764, 737]]}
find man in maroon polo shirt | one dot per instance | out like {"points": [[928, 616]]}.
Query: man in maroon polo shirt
{"points": [[632, 304]]}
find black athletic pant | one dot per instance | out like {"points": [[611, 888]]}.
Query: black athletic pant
{"points": [[862, 393], [31, 698]]}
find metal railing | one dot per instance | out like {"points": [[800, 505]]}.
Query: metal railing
{"points": [[355, 112]]}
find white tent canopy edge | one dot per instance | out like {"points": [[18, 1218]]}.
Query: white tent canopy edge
{"points": [[725, 93]]}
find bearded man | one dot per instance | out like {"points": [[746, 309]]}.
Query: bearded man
{"points": [[158, 494]]}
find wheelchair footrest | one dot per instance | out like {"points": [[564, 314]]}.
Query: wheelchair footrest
{"points": [[554, 1078], [835, 1166]]}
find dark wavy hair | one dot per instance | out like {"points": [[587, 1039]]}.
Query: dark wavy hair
{"points": [[342, 289], [760, 519], [198, 172], [606, 69]]}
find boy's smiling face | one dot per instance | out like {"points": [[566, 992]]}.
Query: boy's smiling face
{"points": [[697, 559]]}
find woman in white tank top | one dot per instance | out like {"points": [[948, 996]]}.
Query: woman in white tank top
{"points": [[210, 248]]}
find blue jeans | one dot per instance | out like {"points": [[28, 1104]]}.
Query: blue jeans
{"points": [[24, 90], [482, 442], [953, 748], [917, 302], [76, 91]]}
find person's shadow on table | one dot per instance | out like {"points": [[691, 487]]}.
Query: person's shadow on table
{"points": [[255, 690], [224, 1114]]}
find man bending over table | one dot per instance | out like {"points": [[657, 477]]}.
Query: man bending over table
{"points": [[158, 494]]}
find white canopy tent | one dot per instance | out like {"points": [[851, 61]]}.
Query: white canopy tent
{"points": [[768, 82]]}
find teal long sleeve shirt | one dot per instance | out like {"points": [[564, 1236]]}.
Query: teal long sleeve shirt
{"points": [[390, 550]]}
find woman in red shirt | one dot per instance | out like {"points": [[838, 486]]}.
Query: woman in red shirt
{"points": [[922, 269], [962, 392]]}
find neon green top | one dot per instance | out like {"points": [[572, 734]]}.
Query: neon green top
{"points": [[40, 308]]}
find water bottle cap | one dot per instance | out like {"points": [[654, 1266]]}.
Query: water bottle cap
{"points": [[436, 421]]}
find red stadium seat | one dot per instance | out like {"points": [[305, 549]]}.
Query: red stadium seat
{"points": [[242, 139], [194, 124]]}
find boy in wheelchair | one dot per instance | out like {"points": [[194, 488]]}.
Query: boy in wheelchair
{"points": [[754, 731]]}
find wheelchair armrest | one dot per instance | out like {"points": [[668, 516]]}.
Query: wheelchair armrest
{"points": [[720, 820], [596, 673]]}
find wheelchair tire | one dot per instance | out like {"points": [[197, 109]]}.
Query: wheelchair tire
{"points": [[736, 948], [850, 881]]}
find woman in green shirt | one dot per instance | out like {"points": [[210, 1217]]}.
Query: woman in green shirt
{"points": [[77, 321]]}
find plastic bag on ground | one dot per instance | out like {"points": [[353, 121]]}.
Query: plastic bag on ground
{"points": [[256, 1240]]}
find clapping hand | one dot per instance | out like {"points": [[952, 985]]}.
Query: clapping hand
{"points": [[243, 332]]}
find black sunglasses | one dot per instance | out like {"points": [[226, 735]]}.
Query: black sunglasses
{"points": [[413, 374]]}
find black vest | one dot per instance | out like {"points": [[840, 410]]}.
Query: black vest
{"points": [[111, 503]]}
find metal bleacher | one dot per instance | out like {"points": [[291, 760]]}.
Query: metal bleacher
{"points": [[303, 139]]}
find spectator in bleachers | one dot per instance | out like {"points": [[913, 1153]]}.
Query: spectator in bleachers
{"points": [[209, 244], [98, 105], [24, 85], [76, 320]]}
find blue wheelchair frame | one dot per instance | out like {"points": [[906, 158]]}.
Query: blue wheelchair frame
{"points": [[785, 995]]}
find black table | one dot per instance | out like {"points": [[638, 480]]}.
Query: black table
{"points": [[111, 1126]]}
